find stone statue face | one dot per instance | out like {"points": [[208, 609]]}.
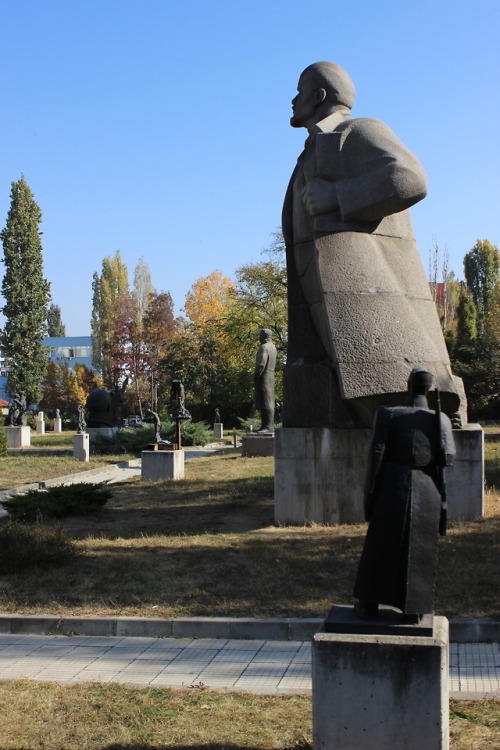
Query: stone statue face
{"points": [[305, 104]]}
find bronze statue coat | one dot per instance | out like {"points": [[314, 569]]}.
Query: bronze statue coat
{"points": [[403, 504], [356, 281]]}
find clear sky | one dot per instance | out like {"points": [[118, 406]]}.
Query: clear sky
{"points": [[161, 128]]}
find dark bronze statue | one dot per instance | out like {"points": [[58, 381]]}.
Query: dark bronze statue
{"points": [[404, 504], [157, 424], [17, 410], [265, 364], [359, 305], [177, 404], [99, 407], [82, 424], [217, 416], [117, 399]]}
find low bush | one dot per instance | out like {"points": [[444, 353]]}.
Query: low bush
{"points": [[23, 547], [136, 439], [57, 502]]}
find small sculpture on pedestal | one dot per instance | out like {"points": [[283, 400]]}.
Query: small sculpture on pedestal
{"points": [[178, 407], [17, 410], [81, 419]]}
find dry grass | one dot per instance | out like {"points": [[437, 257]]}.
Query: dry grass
{"points": [[46, 716], [207, 546]]}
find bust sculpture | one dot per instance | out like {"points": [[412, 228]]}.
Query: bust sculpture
{"points": [[359, 305]]}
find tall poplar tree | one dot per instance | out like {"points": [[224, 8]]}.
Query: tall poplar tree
{"points": [[54, 322], [108, 290], [26, 293]]}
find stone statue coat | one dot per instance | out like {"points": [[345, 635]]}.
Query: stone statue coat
{"points": [[403, 505], [356, 281], [265, 364]]}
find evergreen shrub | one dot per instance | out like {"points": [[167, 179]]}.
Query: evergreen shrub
{"points": [[57, 502]]}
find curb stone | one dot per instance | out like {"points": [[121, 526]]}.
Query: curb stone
{"points": [[462, 630]]}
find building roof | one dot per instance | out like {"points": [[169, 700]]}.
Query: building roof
{"points": [[67, 341]]}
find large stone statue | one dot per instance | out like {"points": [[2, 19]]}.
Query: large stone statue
{"points": [[360, 308], [265, 364], [405, 504]]}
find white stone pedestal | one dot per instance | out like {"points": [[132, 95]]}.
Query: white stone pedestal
{"points": [[81, 446], [57, 424], [158, 466], [40, 424], [257, 445], [319, 475], [218, 430], [465, 479], [18, 437], [381, 691]]}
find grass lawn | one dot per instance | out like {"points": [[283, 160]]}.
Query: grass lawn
{"points": [[46, 716], [207, 546]]}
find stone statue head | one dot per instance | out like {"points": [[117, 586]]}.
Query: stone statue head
{"points": [[420, 381], [265, 335], [323, 87]]}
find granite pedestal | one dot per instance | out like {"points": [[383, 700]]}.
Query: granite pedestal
{"points": [[218, 430], [381, 691], [158, 466], [257, 445], [18, 437], [81, 446], [320, 474]]}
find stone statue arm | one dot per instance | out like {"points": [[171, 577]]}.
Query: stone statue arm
{"points": [[377, 457], [366, 172], [447, 442]]}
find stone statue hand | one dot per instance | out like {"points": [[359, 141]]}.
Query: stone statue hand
{"points": [[320, 196]]}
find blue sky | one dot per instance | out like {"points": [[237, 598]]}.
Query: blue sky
{"points": [[162, 128]]}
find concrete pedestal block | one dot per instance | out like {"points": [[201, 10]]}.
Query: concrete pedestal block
{"points": [[157, 466], [257, 445], [81, 447], [218, 430], [40, 424], [104, 431], [465, 479], [320, 472], [18, 437], [319, 475], [375, 691], [57, 424]]}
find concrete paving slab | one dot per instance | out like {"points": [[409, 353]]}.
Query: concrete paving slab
{"points": [[271, 667]]}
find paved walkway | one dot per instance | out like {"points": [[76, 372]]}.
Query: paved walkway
{"points": [[257, 666]]}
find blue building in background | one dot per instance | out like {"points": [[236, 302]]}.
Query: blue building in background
{"points": [[63, 350]]}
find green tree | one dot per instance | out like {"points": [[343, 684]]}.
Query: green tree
{"points": [[26, 293], [55, 325], [482, 273], [107, 290]]}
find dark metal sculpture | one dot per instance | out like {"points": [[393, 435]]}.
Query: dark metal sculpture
{"points": [[99, 407], [17, 410], [157, 424], [217, 416], [411, 446], [178, 409], [265, 364], [82, 424], [117, 399]]}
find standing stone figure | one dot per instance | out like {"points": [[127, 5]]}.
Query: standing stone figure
{"points": [[404, 504], [360, 308], [265, 364]]}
